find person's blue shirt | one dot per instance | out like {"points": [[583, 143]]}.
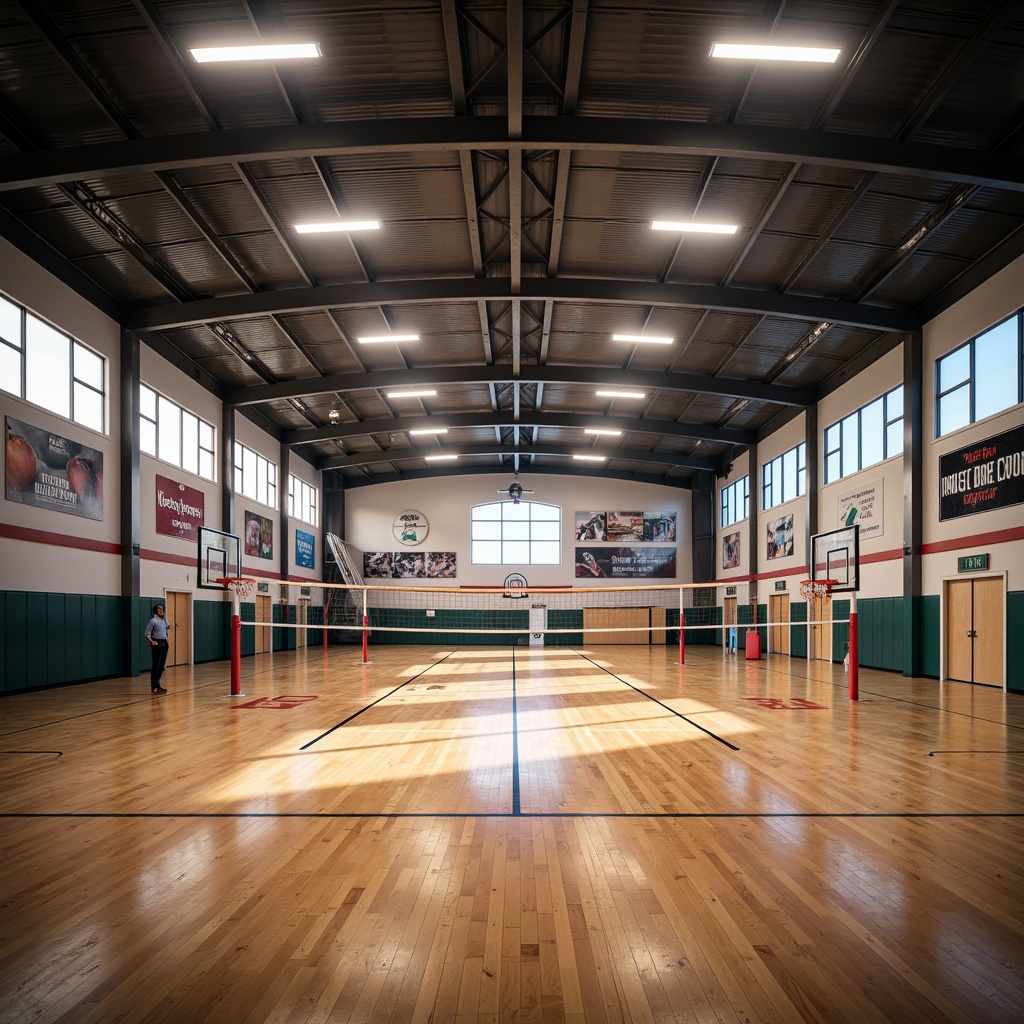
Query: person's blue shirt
{"points": [[156, 628]]}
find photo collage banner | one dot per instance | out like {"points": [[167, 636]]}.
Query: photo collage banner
{"points": [[627, 562], [408, 565]]}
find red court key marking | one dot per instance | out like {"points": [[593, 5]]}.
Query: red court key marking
{"points": [[793, 704], [282, 703]]}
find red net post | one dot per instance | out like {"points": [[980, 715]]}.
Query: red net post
{"points": [[682, 641], [854, 651], [240, 587]]}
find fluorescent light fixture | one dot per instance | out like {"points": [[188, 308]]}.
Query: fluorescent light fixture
{"points": [[329, 226], [373, 339], [606, 433], [700, 227], [643, 339], [621, 394], [590, 458], [255, 51], [440, 458], [429, 430], [769, 51], [411, 394]]}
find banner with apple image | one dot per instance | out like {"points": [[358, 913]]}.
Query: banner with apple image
{"points": [[48, 471]]}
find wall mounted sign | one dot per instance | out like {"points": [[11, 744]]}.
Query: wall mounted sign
{"points": [[180, 509], [780, 584], [972, 563], [863, 507], [305, 550], [983, 476], [259, 536], [48, 471], [410, 527]]}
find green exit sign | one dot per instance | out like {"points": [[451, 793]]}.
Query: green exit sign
{"points": [[971, 563]]}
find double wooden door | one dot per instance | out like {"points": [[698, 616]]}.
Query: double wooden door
{"points": [[178, 612], [778, 616], [975, 641]]}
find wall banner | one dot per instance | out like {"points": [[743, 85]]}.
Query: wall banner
{"points": [[863, 506], [409, 565], [305, 550], [48, 471], [258, 541], [983, 476], [731, 551], [180, 509], [625, 563]]}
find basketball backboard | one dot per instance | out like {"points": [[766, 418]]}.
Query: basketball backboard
{"points": [[219, 556], [836, 556]]}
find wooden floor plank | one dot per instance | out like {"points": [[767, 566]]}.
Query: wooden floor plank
{"points": [[723, 841]]}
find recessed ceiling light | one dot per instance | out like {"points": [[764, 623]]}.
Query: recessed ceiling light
{"points": [[643, 339], [411, 394], [429, 430], [255, 51], [768, 51], [598, 430], [329, 226], [694, 226], [590, 458], [373, 339], [621, 394], [439, 458]]}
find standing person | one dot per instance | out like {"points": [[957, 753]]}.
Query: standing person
{"points": [[156, 633]]}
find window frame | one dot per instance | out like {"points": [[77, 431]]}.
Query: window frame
{"points": [[310, 501], [729, 497], [502, 540], [970, 381], [776, 468], [75, 379], [840, 445], [263, 472], [200, 448]]}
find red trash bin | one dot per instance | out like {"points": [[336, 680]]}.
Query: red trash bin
{"points": [[753, 640]]}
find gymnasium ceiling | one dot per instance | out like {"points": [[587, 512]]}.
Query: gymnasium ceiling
{"points": [[515, 155]]}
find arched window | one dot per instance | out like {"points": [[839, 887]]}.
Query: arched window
{"points": [[510, 533]]}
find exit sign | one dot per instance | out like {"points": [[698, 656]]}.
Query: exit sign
{"points": [[971, 563], [780, 584]]}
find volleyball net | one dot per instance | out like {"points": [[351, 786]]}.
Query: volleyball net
{"points": [[708, 614]]}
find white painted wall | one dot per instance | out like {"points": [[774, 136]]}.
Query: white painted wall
{"points": [[446, 502]]}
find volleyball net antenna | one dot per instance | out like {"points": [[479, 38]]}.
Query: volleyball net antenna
{"points": [[709, 614]]}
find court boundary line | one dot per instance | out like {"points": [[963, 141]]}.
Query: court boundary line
{"points": [[554, 815]]}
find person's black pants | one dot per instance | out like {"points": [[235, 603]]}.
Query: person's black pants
{"points": [[159, 653]]}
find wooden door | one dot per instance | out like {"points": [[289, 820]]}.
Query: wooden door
{"points": [[975, 640], [178, 610], [959, 626], [263, 612], [728, 619], [819, 612], [301, 619], [778, 613]]}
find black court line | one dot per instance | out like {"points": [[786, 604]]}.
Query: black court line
{"points": [[377, 701], [59, 753], [932, 753], [553, 815], [678, 714], [517, 807]]}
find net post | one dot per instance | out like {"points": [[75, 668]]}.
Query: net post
{"points": [[854, 651], [682, 627], [366, 630], [236, 645]]}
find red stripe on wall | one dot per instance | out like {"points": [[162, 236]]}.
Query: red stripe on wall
{"points": [[61, 540], [995, 537]]}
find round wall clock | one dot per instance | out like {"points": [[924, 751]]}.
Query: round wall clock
{"points": [[410, 527]]}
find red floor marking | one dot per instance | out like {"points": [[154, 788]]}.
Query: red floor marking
{"points": [[779, 704], [282, 703]]}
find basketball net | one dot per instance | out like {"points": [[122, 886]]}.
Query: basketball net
{"points": [[816, 588], [242, 587]]}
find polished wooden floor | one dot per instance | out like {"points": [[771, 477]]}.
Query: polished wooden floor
{"points": [[490, 835]]}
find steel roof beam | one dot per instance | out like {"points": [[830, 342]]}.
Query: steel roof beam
{"points": [[492, 289], [835, 149], [776, 394]]}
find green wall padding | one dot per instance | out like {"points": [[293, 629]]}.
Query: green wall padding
{"points": [[930, 638], [797, 631], [1014, 632]]}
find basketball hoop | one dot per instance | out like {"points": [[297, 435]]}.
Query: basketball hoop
{"points": [[241, 586], [515, 586], [816, 588]]}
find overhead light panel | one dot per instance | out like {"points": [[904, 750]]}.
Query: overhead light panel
{"points": [[440, 458], [411, 394], [331, 226], [255, 51], [699, 227], [375, 339], [590, 458], [769, 51], [643, 339], [621, 394], [428, 430], [606, 433]]}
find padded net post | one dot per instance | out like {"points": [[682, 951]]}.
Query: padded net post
{"points": [[240, 587]]}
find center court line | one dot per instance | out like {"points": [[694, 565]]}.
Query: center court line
{"points": [[678, 714], [377, 701]]}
